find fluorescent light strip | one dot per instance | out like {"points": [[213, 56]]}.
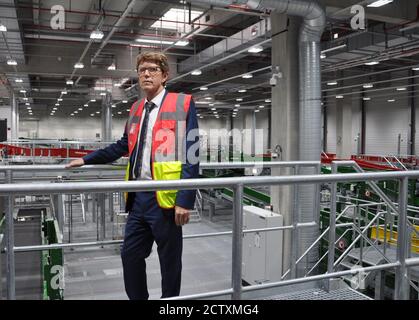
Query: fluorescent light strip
{"points": [[153, 41], [379, 3]]}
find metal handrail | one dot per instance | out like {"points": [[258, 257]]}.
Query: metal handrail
{"points": [[202, 165], [237, 183]]}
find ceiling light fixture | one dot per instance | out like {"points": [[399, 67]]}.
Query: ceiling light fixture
{"points": [[255, 49], [79, 65], [96, 35], [181, 43], [203, 88], [379, 3], [333, 49], [242, 90], [332, 83], [247, 76], [339, 97], [69, 82], [401, 89], [371, 63], [12, 62], [368, 86], [153, 41], [3, 27], [19, 80], [196, 72], [391, 100], [112, 67]]}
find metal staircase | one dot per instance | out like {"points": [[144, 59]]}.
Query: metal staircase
{"points": [[196, 212]]}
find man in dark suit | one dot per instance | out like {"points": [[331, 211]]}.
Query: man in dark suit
{"points": [[162, 141]]}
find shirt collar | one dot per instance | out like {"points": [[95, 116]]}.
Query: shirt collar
{"points": [[157, 100]]}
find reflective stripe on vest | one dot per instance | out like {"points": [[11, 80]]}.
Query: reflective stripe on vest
{"points": [[167, 147]]}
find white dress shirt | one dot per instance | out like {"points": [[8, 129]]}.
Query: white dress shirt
{"points": [[145, 166]]}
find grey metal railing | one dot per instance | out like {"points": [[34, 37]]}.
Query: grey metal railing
{"points": [[237, 184]]}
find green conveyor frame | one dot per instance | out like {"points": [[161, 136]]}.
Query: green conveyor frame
{"points": [[51, 258]]}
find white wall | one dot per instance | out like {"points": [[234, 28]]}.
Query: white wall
{"points": [[68, 128], [384, 122], [331, 126], [5, 113], [262, 122]]}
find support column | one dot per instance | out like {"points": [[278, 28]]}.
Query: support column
{"points": [[285, 116], [324, 109], [363, 124], [412, 136], [14, 116], [344, 127], [248, 134], [107, 118]]}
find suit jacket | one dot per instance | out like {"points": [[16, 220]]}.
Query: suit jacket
{"points": [[184, 198]]}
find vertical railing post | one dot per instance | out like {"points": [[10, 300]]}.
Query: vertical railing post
{"points": [[10, 242], [294, 231], [102, 216], [70, 219], [111, 207], [236, 271], [401, 291], [332, 223]]}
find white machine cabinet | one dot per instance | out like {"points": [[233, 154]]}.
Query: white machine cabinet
{"points": [[262, 251]]}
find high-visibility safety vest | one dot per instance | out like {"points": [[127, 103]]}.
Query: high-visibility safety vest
{"points": [[167, 143]]}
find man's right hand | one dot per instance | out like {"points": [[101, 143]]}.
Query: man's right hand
{"points": [[75, 163]]}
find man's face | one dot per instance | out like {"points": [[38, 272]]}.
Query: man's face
{"points": [[150, 76]]}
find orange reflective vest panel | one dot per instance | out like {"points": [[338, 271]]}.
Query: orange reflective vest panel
{"points": [[167, 144]]}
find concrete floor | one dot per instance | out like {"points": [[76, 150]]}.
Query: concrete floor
{"points": [[95, 273]]}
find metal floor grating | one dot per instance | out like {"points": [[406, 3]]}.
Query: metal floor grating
{"points": [[320, 294]]}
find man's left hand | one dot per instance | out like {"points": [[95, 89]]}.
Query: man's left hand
{"points": [[181, 216]]}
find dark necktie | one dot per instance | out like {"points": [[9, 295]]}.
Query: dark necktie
{"points": [[141, 142]]}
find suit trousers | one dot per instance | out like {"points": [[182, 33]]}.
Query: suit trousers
{"points": [[146, 223]]}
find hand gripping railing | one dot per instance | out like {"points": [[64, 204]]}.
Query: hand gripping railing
{"points": [[237, 184]]}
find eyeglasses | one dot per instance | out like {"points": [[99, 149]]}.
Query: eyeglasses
{"points": [[151, 70]]}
